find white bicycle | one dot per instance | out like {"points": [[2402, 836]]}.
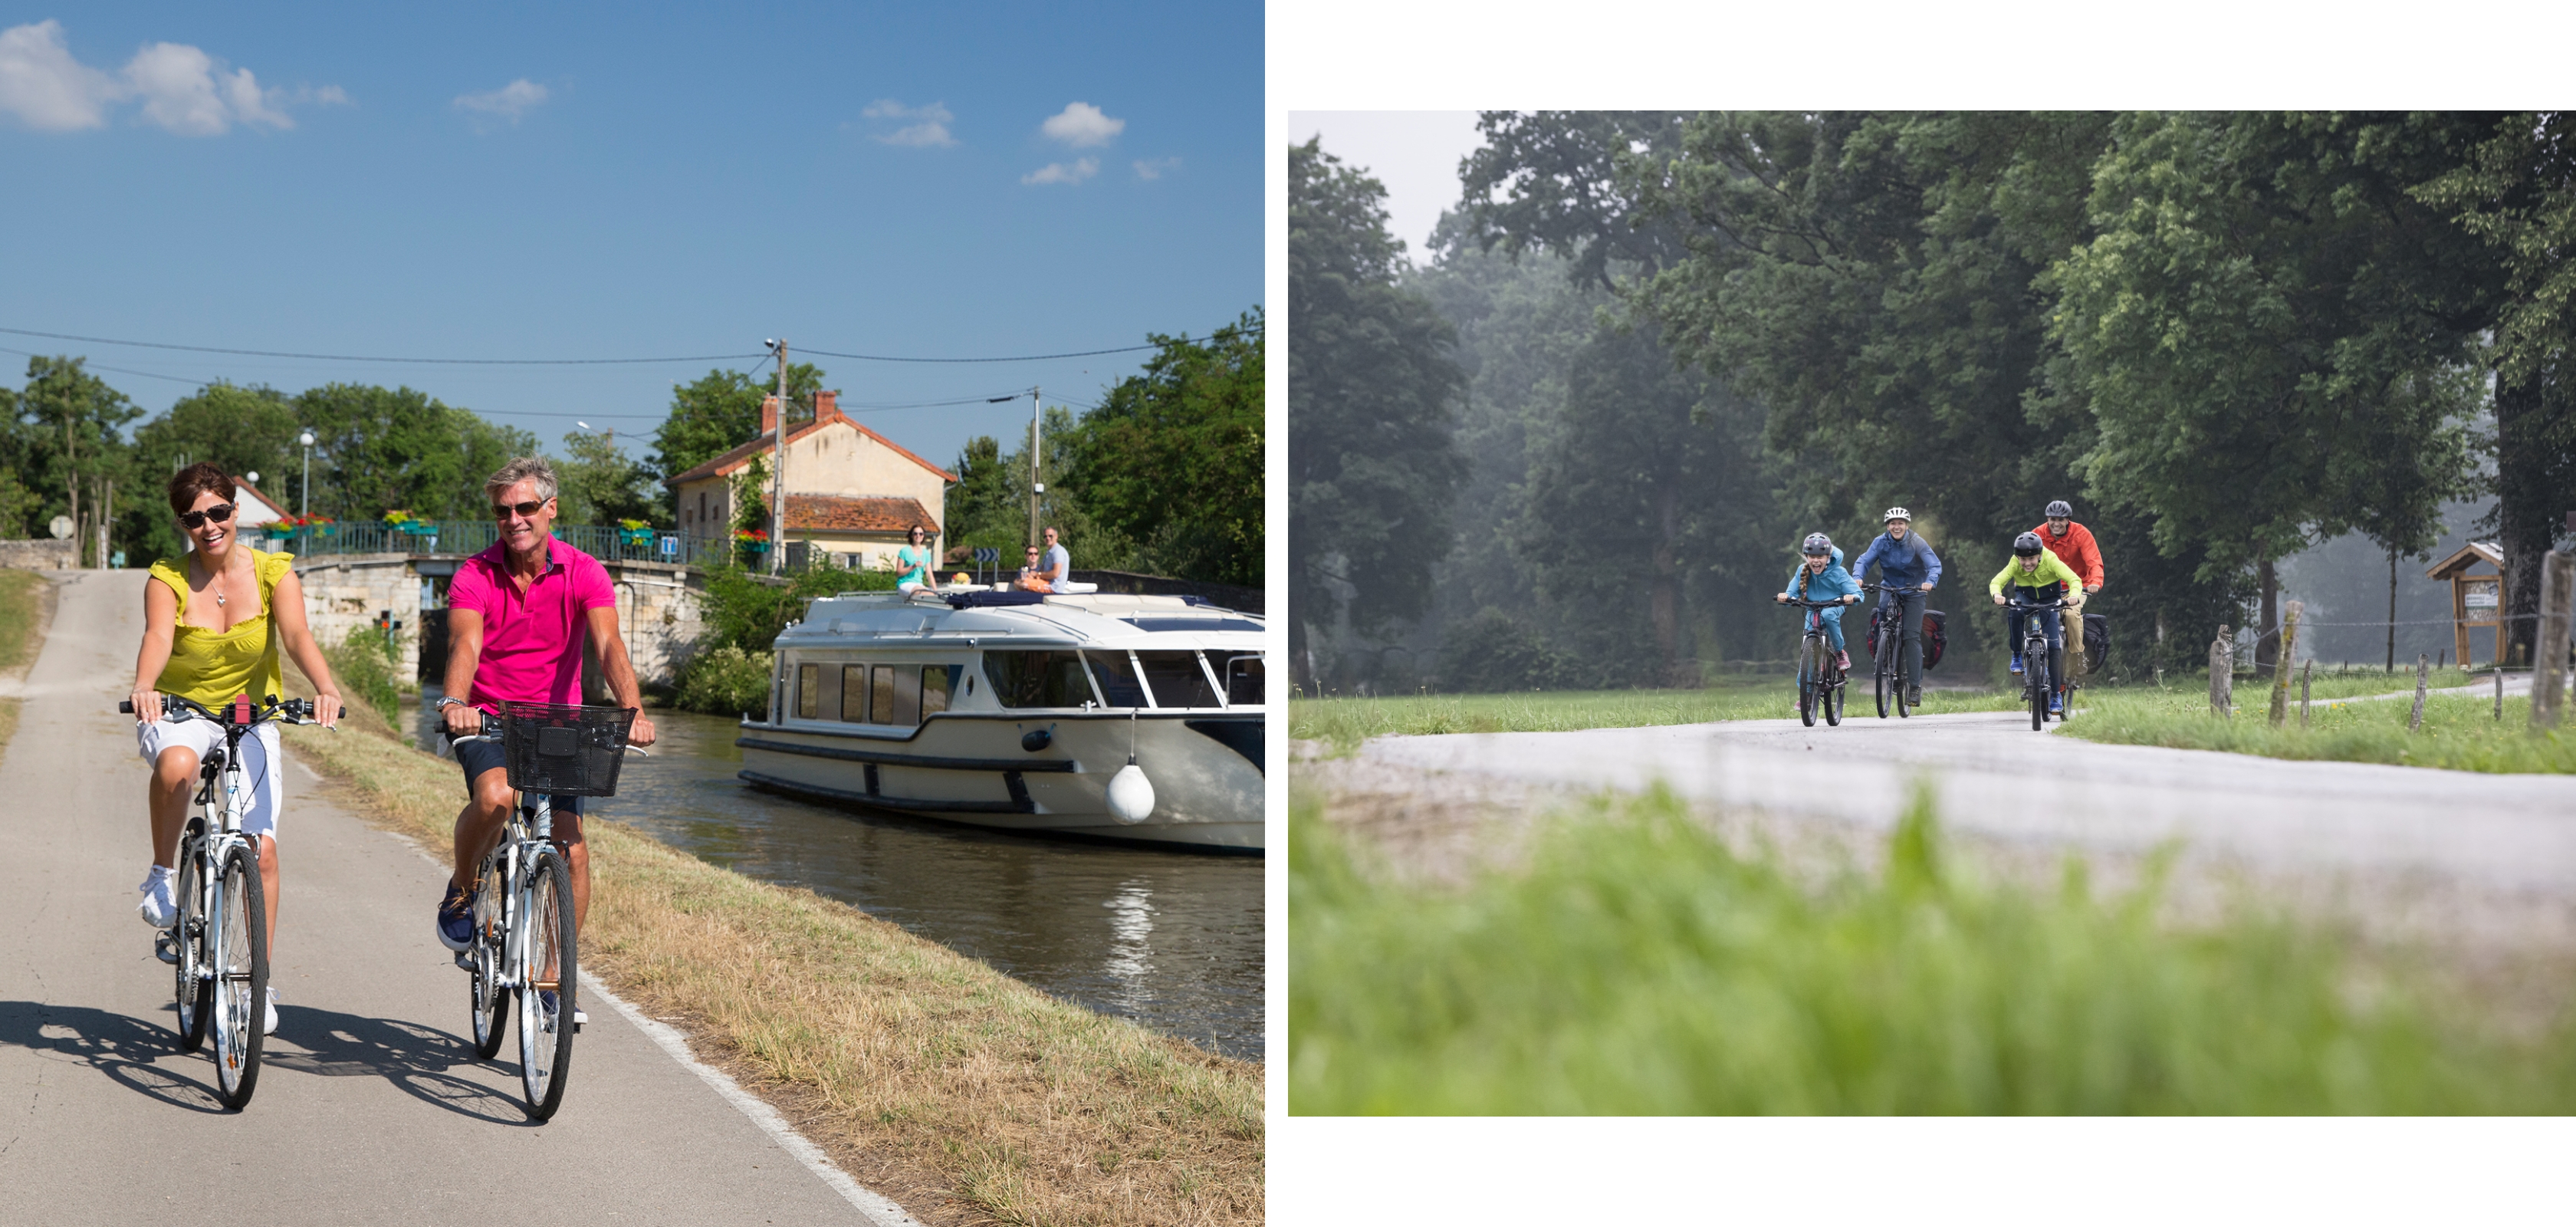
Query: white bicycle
{"points": [[219, 941]]}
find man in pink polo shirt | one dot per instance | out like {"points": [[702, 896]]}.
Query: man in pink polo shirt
{"points": [[517, 615]]}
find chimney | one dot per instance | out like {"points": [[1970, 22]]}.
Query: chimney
{"points": [[768, 414], [827, 405]]}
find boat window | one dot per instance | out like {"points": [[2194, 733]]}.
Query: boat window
{"points": [[854, 693], [1177, 680], [937, 683], [809, 684], [1242, 679], [1037, 678], [881, 695], [1116, 677]]}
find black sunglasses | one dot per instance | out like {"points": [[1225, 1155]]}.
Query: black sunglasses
{"points": [[502, 511], [218, 513]]}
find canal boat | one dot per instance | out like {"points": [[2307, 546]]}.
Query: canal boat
{"points": [[1022, 711]]}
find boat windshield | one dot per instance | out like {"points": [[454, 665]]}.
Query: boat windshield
{"points": [[1242, 673], [1116, 677], [1177, 679], [1047, 678]]}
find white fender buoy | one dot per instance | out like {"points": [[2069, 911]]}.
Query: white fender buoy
{"points": [[1131, 795]]}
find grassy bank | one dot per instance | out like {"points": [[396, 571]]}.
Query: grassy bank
{"points": [[1636, 964], [22, 598], [2461, 733], [1346, 722], [958, 1091]]}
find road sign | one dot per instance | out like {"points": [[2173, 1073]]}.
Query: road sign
{"points": [[670, 547], [60, 528], [983, 553]]}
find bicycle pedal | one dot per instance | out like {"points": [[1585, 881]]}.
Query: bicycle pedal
{"points": [[465, 960], [165, 947]]}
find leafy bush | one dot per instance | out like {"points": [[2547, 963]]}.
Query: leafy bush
{"points": [[366, 664], [1640, 965], [1493, 653], [725, 681], [747, 610]]}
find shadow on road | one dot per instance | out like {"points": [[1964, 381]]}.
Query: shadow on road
{"points": [[142, 1056]]}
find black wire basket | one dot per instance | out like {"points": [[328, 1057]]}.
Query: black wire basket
{"points": [[564, 751]]}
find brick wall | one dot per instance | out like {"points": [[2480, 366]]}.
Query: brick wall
{"points": [[40, 554]]}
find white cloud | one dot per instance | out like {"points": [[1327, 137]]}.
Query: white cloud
{"points": [[44, 87], [1063, 172], [1082, 126], [1156, 168], [506, 103], [328, 95], [183, 89], [930, 132]]}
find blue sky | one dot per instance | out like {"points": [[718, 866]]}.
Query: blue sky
{"points": [[629, 181]]}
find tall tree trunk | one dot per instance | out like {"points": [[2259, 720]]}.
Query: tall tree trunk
{"points": [[2267, 633], [2527, 508], [1666, 599]]}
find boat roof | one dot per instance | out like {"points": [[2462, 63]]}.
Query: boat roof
{"points": [[1013, 619]]}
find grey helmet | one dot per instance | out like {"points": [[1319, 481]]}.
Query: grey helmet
{"points": [[1897, 513], [2058, 510], [2027, 544], [1819, 545]]}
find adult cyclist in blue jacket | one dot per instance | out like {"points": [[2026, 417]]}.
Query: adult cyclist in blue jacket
{"points": [[1907, 569]]}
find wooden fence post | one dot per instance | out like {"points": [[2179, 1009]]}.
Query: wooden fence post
{"points": [[2222, 674], [2549, 650], [2304, 670], [2423, 675], [2281, 669]]}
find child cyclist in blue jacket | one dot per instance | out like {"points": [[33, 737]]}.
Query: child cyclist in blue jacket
{"points": [[1821, 577]]}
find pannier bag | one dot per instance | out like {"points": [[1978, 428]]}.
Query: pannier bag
{"points": [[2097, 641], [1935, 634]]}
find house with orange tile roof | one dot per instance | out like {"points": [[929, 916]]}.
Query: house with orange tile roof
{"points": [[852, 492]]}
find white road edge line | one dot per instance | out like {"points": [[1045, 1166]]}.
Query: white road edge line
{"points": [[873, 1206]]}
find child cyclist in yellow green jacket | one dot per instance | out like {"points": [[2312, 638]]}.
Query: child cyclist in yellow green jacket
{"points": [[2036, 576]]}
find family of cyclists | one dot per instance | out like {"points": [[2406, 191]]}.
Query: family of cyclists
{"points": [[214, 622], [2057, 559]]}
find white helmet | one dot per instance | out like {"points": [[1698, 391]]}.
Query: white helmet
{"points": [[1897, 513]]}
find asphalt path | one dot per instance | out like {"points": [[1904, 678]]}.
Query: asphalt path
{"points": [[1994, 776], [370, 1107]]}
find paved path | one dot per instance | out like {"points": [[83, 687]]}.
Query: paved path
{"points": [[371, 1107], [1994, 776]]}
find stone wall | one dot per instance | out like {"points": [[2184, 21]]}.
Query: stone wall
{"points": [[660, 614], [40, 554], [659, 606], [343, 592]]}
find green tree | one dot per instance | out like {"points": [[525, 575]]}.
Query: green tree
{"points": [[1172, 457], [1373, 394], [65, 441], [378, 449], [718, 413], [600, 483], [245, 430]]}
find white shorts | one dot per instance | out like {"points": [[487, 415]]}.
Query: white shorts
{"points": [[263, 766]]}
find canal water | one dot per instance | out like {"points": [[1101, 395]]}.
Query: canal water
{"points": [[1171, 940]]}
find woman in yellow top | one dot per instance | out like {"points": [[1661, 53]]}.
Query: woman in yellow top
{"points": [[2037, 576], [212, 625]]}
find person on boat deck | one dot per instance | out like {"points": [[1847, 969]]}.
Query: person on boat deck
{"points": [[912, 563], [1048, 572], [1820, 577], [1032, 579]]}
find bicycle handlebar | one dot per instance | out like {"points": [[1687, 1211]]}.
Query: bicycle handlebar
{"points": [[1803, 603], [292, 711], [491, 731]]}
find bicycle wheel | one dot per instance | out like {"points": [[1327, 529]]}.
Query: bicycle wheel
{"points": [[1832, 698], [194, 991], [489, 1000], [1807, 674], [547, 996], [2034, 664], [1900, 683], [239, 952], [1886, 682]]}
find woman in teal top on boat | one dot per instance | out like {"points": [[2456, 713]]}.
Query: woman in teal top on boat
{"points": [[912, 563]]}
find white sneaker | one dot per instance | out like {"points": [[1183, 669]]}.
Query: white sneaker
{"points": [[271, 1028], [157, 909]]}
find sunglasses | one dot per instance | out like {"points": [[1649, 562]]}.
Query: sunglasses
{"points": [[218, 513], [526, 510]]}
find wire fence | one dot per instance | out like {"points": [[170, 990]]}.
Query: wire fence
{"points": [[608, 543]]}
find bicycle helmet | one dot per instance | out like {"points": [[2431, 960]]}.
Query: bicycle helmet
{"points": [[1897, 513], [1818, 545], [2027, 544], [2058, 510]]}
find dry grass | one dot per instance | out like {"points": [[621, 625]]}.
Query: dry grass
{"points": [[965, 1095], [26, 604]]}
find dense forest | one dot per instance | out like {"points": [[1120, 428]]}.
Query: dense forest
{"points": [[1649, 351]]}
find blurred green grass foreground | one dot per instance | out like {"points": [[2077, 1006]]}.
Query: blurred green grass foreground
{"points": [[1633, 963]]}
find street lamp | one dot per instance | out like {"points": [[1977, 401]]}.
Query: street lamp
{"points": [[307, 440]]}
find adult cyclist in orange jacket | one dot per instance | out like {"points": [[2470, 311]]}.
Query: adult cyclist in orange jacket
{"points": [[2073, 545]]}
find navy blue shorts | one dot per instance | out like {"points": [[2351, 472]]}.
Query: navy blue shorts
{"points": [[478, 757]]}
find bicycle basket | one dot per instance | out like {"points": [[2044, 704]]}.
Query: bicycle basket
{"points": [[565, 751]]}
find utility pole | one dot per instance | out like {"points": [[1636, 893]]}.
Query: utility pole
{"points": [[778, 473], [305, 494], [2392, 609], [1037, 483]]}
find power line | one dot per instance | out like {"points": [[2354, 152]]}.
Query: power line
{"points": [[266, 353], [1221, 334], [86, 365]]}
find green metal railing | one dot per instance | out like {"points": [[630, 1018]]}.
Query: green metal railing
{"points": [[605, 542]]}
